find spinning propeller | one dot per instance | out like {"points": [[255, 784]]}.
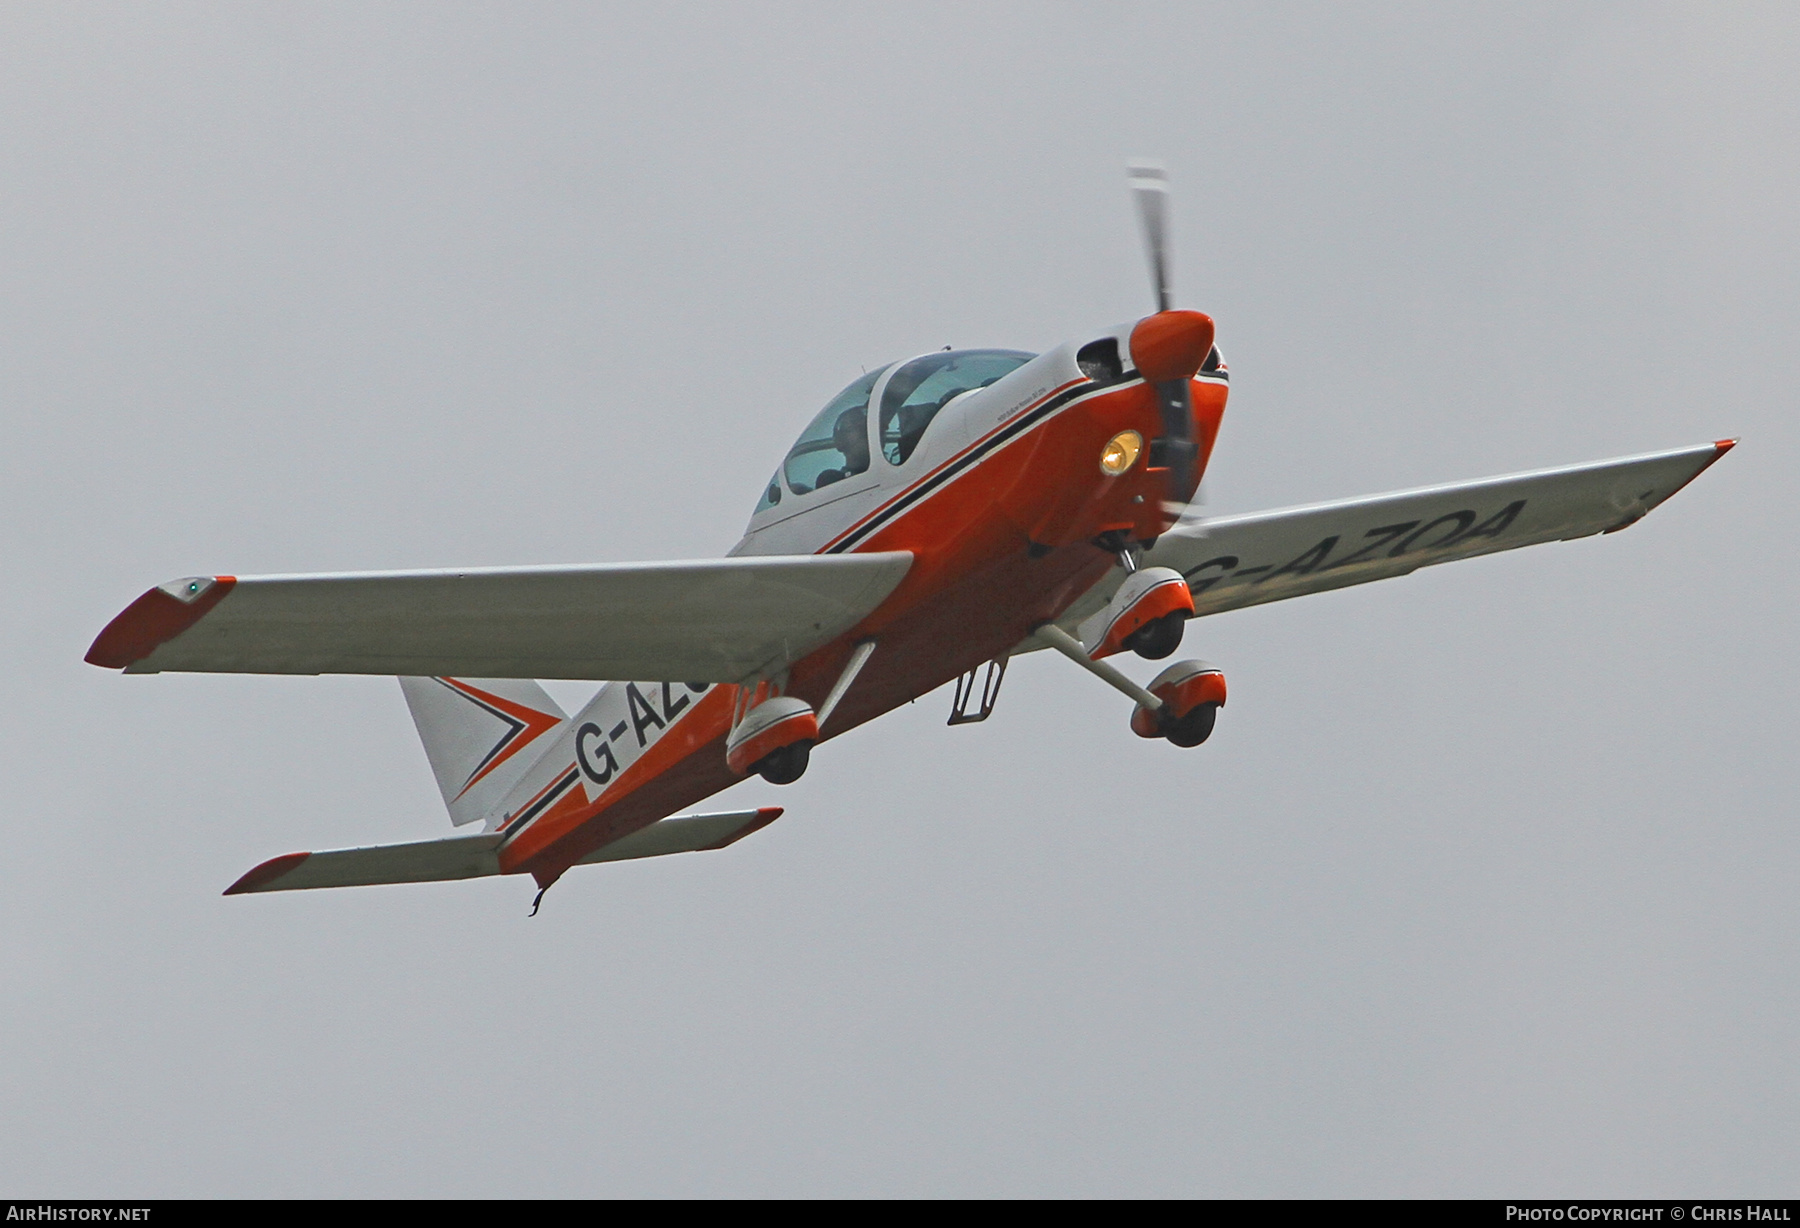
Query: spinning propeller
{"points": [[1170, 346], [1150, 188]]}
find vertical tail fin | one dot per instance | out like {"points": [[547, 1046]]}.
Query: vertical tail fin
{"points": [[477, 732]]}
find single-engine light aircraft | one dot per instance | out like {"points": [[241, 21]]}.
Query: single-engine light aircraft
{"points": [[939, 516]]}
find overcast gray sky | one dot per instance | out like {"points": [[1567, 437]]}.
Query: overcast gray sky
{"points": [[1488, 884]]}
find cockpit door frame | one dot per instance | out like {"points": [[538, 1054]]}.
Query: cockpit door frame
{"points": [[874, 422]]}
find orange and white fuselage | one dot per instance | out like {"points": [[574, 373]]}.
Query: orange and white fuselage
{"points": [[999, 505]]}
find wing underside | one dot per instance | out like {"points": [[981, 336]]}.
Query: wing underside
{"points": [[709, 621], [1237, 561], [438, 861]]}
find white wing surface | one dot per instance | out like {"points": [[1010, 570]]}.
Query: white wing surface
{"points": [[437, 861], [717, 620], [1237, 561]]}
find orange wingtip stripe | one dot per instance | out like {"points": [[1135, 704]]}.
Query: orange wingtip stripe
{"points": [[764, 816], [266, 873], [1724, 445], [151, 621]]}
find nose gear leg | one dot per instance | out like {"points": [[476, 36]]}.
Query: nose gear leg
{"points": [[1181, 703], [1071, 648]]}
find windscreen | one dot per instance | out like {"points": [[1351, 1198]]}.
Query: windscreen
{"points": [[835, 445], [925, 385]]}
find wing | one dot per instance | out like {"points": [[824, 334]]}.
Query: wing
{"points": [[437, 861], [1237, 561], [712, 621]]}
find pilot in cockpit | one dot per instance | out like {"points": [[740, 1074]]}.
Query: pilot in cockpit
{"points": [[851, 437]]}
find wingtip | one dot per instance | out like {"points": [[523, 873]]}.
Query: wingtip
{"points": [[765, 815], [1720, 448], [261, 876], [155, 618]]}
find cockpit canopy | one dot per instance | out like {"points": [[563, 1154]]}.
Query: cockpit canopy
{"points": [[836, 444], [925, 385]]}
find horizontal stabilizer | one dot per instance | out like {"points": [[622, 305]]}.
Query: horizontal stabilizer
{"points": [[694, 833], [436, 861], [715, 620]]}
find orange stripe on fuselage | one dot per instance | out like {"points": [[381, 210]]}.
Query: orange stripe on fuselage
{"points": [[908, 489], [531, 801], [707, 722]]}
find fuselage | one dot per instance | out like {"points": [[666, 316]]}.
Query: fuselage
{"points": [[984, 465]]}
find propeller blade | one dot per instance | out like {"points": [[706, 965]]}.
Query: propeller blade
{"points": [[1175, 449], [1150, 187], [1192, 513]]}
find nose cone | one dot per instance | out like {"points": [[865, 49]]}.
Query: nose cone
{"points": [[1171, 344]]}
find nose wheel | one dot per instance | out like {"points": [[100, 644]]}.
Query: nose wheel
{"points": [[1181, 704], [1192, 692], [1194, 728]]}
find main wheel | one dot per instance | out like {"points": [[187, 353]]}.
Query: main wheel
{"points": [[1194, 728], [784, 766], [1159, 637]]}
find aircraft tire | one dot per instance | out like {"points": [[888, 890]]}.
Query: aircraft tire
{"points": [[1194, 728], [1159, 637], [786, 765]]}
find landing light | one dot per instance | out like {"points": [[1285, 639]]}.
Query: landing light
{"points": [[1120, 453]]}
